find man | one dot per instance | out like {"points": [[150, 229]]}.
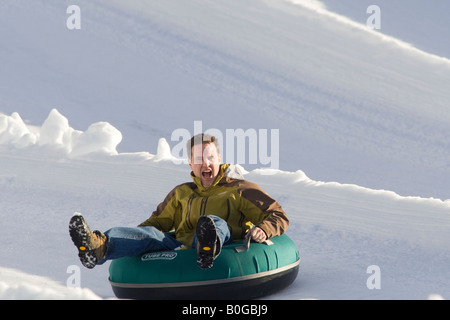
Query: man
{"points": [[217, 208]]}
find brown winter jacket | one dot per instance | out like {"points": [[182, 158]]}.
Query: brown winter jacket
{"points": [[240, 202]]}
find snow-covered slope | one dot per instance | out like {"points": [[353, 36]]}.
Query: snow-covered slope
{"points": [[352, 105], [420, 23]]}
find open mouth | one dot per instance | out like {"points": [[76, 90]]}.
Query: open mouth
{"points": [[207, 174]]}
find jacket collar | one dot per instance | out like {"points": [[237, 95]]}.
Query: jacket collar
{"points": [[198, 181], [226, 171]]}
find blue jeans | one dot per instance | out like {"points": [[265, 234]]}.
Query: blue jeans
{"points": [[128, 242]]}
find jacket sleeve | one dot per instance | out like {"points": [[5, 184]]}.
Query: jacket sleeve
{"points": [[163, 218], [262, 210]]}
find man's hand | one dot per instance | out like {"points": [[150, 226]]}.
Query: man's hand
{"points": [[258, 234]]}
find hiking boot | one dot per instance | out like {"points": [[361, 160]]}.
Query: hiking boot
{"points": [[91, 245], [207, 242]]}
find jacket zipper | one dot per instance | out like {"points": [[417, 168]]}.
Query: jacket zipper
{"points": [[188, 213], [228, 215], [241, 224], [228, 209], [203, 206]]}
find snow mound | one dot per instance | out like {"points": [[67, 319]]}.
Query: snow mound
{"points": [[14, 132], [99, 137], [163, 151], [56, 136], [16, 285], [56, 133]]}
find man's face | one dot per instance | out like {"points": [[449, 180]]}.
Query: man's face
{"points": [[205, 163]]}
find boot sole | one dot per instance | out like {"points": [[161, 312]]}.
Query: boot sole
{"points": [[80, 234], [207, 238]]}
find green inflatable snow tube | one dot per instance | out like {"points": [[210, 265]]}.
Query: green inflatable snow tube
{"points": [[261, 270]]}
